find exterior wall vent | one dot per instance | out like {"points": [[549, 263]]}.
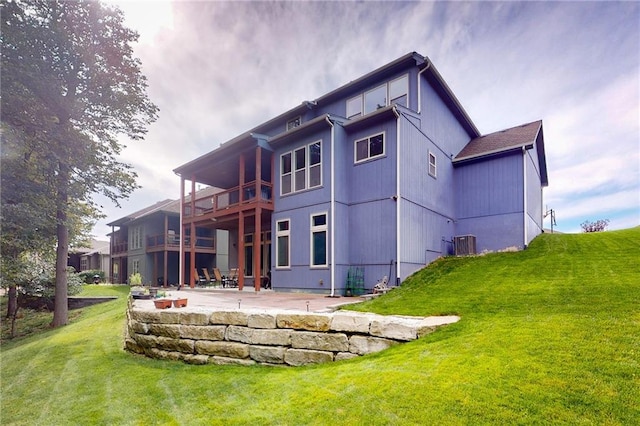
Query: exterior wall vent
{"points": [[464, 244]]}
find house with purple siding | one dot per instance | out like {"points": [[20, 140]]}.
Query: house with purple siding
{"points": [[386, 173]]}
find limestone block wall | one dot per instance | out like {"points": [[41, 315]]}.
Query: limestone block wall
{"points": [[271, 337]]}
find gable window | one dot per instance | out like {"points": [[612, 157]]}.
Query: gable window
{"points": [[283, 259], [393, 92], [301, 169], [369, 147], [432, 164], [291, 124], [319, 240]]}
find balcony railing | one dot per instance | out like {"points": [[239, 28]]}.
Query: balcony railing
{"points": [[120, 247], [171, 240], [230, 198]]}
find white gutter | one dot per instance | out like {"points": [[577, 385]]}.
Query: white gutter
{"points": [[333, 210], [398, 197], [420, 86]]}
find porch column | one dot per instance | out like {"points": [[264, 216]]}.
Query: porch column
{"points": [[181, 237], [257, 249], [192, 235], [240, 250], [257, 242], [166, 250]]}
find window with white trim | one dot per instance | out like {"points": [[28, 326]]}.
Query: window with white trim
{"points": [[135, 267], [393, 92], [432, 164], [283, 242], [301, 169], [399, 91], [136, 238], [354, 106], [369, 148], [319, 240]]}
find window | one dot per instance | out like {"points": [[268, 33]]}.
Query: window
{"points": [[136, 238], [376, 98], [354, 107], [285, 173], [84, 263], [394, 92], [315, 165], [282, 252], [432, 164], [319, 240], [135, 266], [291, 124], [398, 91], [301, 169], [248, 255], [368, 148]]}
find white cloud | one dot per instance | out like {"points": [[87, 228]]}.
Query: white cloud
{"points": [[217, 69]]}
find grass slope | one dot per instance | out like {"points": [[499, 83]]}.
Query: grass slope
{"points": [[547, 335]]}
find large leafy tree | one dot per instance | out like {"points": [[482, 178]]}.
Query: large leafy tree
{"points": [[71, 88]]}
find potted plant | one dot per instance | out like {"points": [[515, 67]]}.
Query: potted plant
{"points": [[180, 303], [162, 303]]}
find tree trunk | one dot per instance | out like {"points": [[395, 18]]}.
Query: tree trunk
{"points": [[12, 302], [60, 307]]}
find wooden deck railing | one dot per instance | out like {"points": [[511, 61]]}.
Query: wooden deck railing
{"points": [[230, 198]]}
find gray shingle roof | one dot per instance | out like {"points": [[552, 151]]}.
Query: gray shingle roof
{"points": [[504, 140]]}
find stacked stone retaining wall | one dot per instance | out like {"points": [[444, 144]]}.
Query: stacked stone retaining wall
{"points": [[274, 337]]}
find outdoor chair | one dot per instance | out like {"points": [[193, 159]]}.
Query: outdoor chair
{"points": [[233, 278], [218, 277], [207, 277], [200, 280]]}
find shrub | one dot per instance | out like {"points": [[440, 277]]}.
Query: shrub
{"points": [[597, 226], [135, 279]]}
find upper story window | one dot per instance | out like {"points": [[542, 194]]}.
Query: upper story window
{"points": [[291, 124], [393, 92], [136, 238], [301, 169], [369, 147], [432, 164]]}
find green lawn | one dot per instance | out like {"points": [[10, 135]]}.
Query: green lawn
{"points": [[547, 335]]}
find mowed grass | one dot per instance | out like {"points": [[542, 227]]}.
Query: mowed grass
{"points": [[550, 335]]}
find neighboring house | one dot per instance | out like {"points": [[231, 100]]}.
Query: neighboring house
{"points": [[91, 258], [386, 173], [148, 242]]}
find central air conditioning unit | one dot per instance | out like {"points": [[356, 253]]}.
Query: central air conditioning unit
{"points": [[464, 244]]}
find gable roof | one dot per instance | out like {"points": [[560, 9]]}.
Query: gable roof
{"points": [[218, 158], [167, 206], [525, 136]]}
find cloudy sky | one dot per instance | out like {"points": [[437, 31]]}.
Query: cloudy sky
{"points": [[217, 69]]}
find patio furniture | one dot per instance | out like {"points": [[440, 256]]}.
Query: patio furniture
{"points": [[218, 277]]}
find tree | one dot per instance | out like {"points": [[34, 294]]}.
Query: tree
{"points": [[70, 88], [597, 226]]}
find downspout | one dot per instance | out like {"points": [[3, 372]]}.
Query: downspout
{"points": [[524, 192], [398, 197], [333, 209], [420, 86]]}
